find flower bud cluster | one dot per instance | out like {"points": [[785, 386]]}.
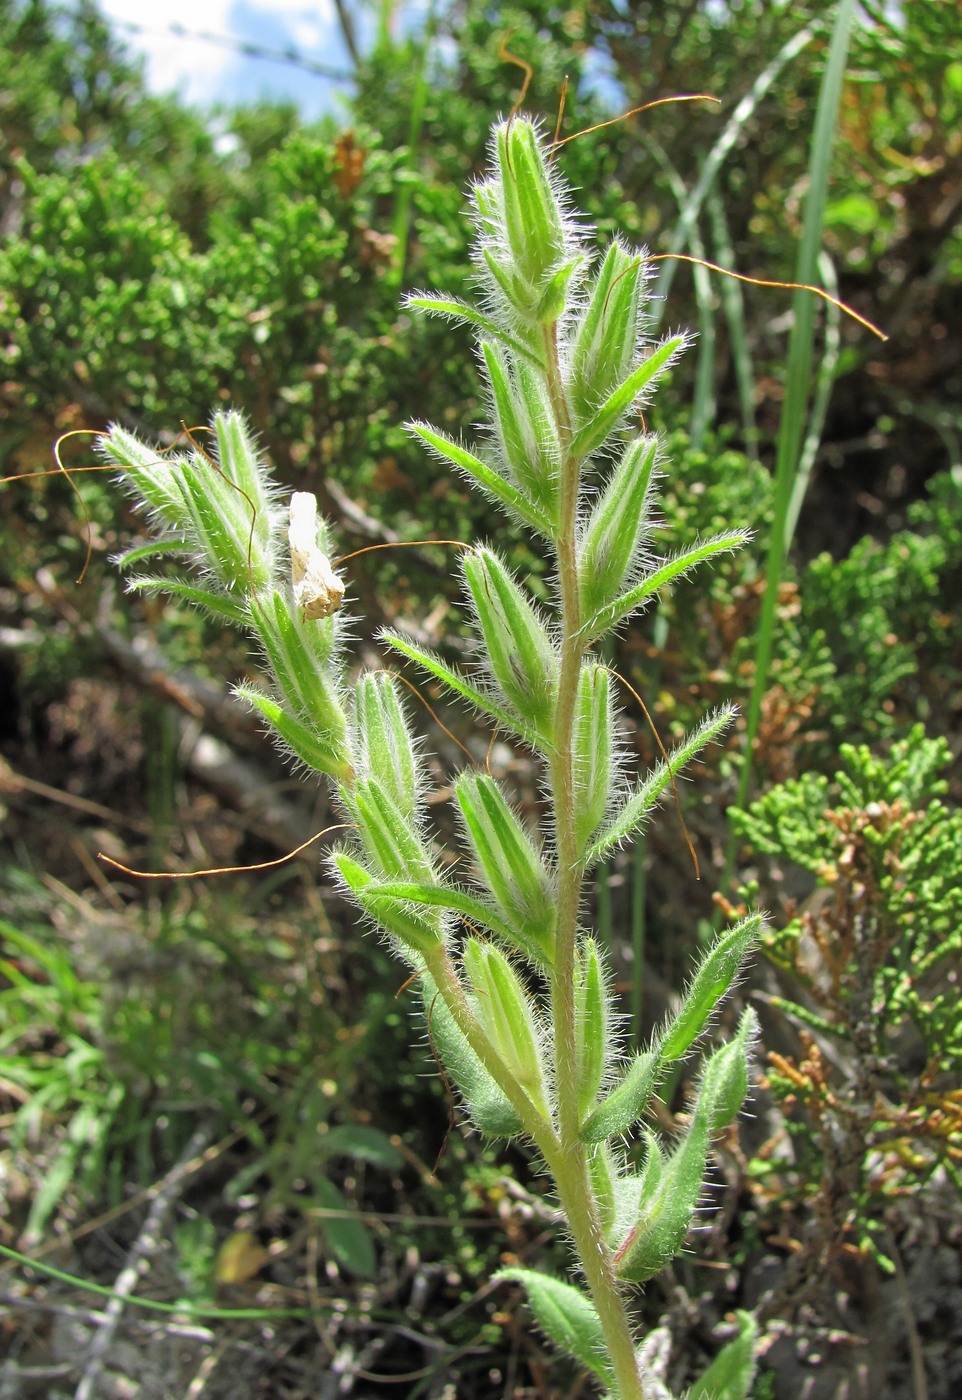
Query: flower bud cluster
{"points": [[520, 1006]]}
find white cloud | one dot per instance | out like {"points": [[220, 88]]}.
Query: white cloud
{"points": [[192, 66], [204, 72]]}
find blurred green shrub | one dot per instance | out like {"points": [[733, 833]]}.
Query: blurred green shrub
{"points": [[868, 946]]}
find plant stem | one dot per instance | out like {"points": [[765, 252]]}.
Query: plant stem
{"points": [[570, 1166]]}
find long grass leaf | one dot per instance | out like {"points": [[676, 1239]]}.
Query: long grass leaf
{"points": [[717, 156], [733, 302], [797, 377]]}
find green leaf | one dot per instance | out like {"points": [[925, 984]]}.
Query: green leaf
{"points": [[730, 1375], [347, 1236], [453, 309], [612, 613], [646, 795], [623, 1105], [303, 742], [162, 547], [712, 981], [458, 901], [362, 1143], [565, 1315], [416, 934], [606, 419], [218, 604], [488, 480], [505, 718]]}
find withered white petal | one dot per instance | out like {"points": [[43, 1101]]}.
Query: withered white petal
{"points": [[318, 591]]}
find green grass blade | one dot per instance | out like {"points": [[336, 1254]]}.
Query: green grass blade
{"points": [[823, 393], [733, 302], [717, 156], [797, 375]]}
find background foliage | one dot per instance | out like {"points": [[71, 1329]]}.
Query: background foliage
{"points": [[156, 261]]}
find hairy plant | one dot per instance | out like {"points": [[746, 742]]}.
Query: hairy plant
{"points": [[516, 991]]}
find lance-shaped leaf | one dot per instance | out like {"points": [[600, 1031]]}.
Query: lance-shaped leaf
{"points": [[605, 339], [393, 846], [453, 309], [489, 1108], [526, 429], [617, 527], [517, 646], [724, 1082], [667, 1203], [508, 860], [460, 685], [607, 417], [318, 751], [593, 1029], [224, 606], [592, 750], [417, 934], [647, 794], [730, 1375], [505, 1011], [610, 614], [476, 911], [603, 1170], [489, 481], [712, 981], [383, 747], [566, 1316], [623, 1105]]}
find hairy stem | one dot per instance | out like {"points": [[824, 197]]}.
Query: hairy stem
{"points": [[570, 1168]]}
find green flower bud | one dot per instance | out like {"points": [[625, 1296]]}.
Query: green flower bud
{"points": [[617, 527], [533, 222], [520, 652], [592, 1024], [724, 1084], [510, 864], [505, 1011], [383, 747], [592, 751], [667, 1202], [395, 849]]}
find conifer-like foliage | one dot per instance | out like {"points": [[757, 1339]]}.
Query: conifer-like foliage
{"points": [[517, 991]]}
